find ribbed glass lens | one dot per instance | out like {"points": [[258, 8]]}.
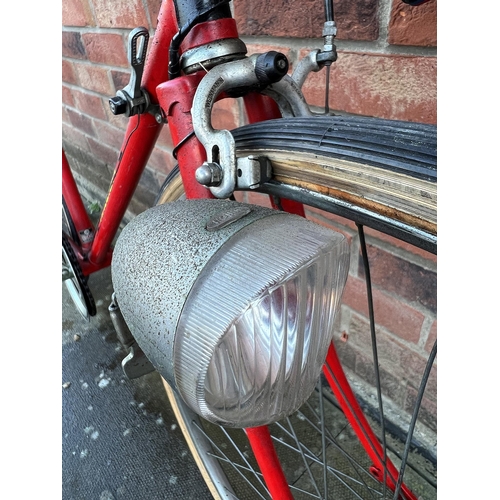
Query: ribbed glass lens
{"points": [[255, 330], [276, 345]]}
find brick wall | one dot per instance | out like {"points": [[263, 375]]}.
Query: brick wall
{"points": [[386, 68]]}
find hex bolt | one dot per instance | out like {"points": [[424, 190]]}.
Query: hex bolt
{"points": [[209, 174]]}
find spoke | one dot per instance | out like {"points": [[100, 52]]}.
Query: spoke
{"points": [[374, 344], [424, 476], [240, 453], [327, 90], [336, 473], [299, 445], [323, 437], [242, 467], [361, 427], [358, 468], [233, 465], [414, 416]]}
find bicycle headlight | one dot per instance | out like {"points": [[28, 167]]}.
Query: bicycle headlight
{"points": [[233, 304]]}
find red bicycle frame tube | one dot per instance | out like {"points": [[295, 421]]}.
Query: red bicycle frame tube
{"points": [[269, 464], [74, 202], [140, 138], [175, 98]]}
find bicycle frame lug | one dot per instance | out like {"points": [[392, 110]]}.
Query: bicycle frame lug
{"points": [[207, 56], [252, 171]]}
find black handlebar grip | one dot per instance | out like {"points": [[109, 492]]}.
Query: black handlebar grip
{"points": [[271, 67]]}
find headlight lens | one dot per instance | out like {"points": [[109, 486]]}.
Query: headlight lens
{"points": [[256, 327]]}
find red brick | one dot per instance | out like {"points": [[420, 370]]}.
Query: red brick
{"points": [[108, 135], [305, 18], [81, 122], [413, 25], [67, 96], [259, 48], [102, 152], [120, 14], [72, 45], [414, 365], [257, 199], [65, 115], [225, 114], [68, 72], [94, 78], [105, 48], [428, 410], [118, 121], [161, 161], [385, 86], [165, 139], [390, 352], [89, 104], [74, 136], [432, 337], [399, 277], [120, 79], [400, 319], [76, 13], [153, 9]]}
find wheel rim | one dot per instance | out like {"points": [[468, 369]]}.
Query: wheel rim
{"points": [[74, 288]]}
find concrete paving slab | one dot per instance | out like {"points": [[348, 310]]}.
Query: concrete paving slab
{"points": [[120, 439]]}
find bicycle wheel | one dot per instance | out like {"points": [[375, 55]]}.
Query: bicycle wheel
{"points": [[378, 173], [75, 281]]}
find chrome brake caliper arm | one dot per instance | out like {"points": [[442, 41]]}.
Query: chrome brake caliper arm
{"points": [[223, 172]]}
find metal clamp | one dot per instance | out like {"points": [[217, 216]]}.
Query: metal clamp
{"points": [[133, 99], [223, 172]]}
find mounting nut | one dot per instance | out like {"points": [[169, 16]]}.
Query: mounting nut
{"points": [[209, 174]]}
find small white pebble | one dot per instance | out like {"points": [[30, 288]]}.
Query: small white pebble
{"points": [[103, 383]]}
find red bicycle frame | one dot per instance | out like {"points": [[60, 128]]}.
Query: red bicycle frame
{"points": [[175, 97]]}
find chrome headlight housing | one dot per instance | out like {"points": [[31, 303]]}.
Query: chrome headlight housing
{"points": [[233, 304]]}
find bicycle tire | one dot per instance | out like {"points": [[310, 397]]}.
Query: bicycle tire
{"points": [[310, 158]]}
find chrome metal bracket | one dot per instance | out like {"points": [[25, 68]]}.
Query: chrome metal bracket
{"points": [[135, 364], [223, 172]]}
